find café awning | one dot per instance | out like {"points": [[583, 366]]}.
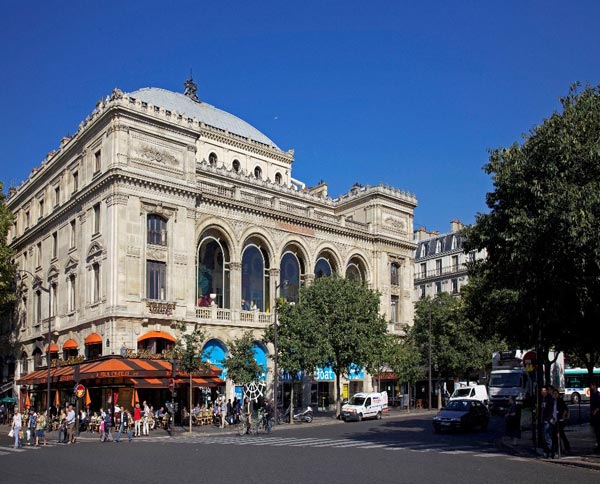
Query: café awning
{"points": [[53, 348], [157, 334], [93, 339], [70, 344]]}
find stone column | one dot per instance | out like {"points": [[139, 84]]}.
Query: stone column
{"points": [[235, 288], [273, 291]]}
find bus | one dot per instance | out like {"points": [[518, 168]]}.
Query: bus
{"points": [[576, 389]]}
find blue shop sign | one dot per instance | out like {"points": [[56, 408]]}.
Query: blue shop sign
{"points": [[287, 377], [326, 373]]}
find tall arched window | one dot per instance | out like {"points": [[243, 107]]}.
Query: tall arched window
{"points": [[212, 272], [322, 268], [258, 172], [278, 178], [353, 272], [290, 273], [212, 159], [236, 166], [255, 278]]}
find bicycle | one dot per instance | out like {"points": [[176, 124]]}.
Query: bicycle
{"points": [[243, 427]]}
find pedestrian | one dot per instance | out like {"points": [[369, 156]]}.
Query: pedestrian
{"points": [[595, 413], [137, 419], [224, 421], [31, 424], [562, 416], [70, 424], [40, 429], [124, 425], [146, 424], [62, 426], [16, 427], [549, 421], [107, 435]]}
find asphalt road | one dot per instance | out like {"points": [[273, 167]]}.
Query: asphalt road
{"points": [[397, 449]]}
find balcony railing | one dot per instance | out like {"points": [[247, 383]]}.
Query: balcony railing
{"points": [[437, 272], [214, 313]]}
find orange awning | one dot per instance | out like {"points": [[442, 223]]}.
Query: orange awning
{"points": [[53, 349], [70, 344], [93, 339], [156, 334]]}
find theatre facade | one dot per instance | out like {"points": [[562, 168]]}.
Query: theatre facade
{"points": [[163, 212]]}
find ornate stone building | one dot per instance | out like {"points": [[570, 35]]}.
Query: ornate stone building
{"points": [[163, 209]]}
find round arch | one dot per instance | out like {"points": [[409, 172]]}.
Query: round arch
{"points": [[214, 352], [260, 355], [357, 268], [326, 263], [213, 258]]}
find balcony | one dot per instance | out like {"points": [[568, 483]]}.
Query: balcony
{"points": [[445, 272], [216, 314]]}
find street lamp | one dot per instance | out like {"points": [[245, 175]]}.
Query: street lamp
{"points": [[46, 290], [275, 370]]}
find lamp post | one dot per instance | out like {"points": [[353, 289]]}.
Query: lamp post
{"points": [[46, 290], [275, 356]]}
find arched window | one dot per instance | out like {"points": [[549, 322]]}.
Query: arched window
{"points": [[290, 277], [157, 230], [212, 159], [37, 358], [353, 272], [260, 355], [322, 268], [236, 166], [212, 278], [255, 278], [25, 362], [278, 178], [258, 172], [215, 352]]}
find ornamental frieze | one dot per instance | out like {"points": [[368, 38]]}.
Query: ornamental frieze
{"points": [[160, 307]]}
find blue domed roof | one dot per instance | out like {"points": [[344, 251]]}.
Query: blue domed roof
{"points": [[208, 114]]}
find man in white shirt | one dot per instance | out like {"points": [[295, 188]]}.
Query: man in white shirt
{"points": [[70, 424]]}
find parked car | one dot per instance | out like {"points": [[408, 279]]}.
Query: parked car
{"points": [[462, 414]]}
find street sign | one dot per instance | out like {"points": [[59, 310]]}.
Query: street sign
{"points": [[171, 384], [530, 361], [79, 391]]}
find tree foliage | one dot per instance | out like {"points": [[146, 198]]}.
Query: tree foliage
{"points": [[540, 281], [7, 283], [188, 349], [240, 363], [344, 316]]}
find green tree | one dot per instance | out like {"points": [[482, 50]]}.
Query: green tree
{"points": [[344, 313], [240, 363], [458, 348], [540, 283], [298, 345], [405, 361], [187, 352]]}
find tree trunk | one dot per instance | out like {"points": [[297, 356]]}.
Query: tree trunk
{"points": [[190, 407], [291, 407], [338, 402], [408, 395]]}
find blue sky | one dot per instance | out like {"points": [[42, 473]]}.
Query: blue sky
{"points": [[411, 94]]}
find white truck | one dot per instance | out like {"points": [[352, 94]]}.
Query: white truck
{"points": [[478, 392], [508, 379], [365, 405]]}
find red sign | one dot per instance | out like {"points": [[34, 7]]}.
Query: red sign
{"points": [[79, 391], [530, 361], [171, 384]]}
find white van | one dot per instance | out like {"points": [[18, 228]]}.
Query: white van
{"points": [[478, 392], [365, 405]]}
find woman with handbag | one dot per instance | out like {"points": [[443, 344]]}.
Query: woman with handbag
{"points": [[16, 427]]}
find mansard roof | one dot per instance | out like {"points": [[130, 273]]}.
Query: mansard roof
{"points": [[204, 112], [438, 245]]}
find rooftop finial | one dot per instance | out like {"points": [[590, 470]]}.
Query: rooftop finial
{"points": [[191, 88]]}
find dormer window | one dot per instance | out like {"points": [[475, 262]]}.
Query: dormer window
{"points": [[212, 159], [423, 251], [438, 246], [454, 242], [258, 172]]}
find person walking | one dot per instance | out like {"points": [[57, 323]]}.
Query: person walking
{"points": [[16, 427], [107, 435], [513, 421], [146, 424], [40, 429], [70, 424], [31, 425], [125, 417], [562, 416], [137, 419], [549, 420], [595, 413]]}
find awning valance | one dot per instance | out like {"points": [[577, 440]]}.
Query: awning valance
{"points": [[93, 339], [53, 349], [157, 334], [70, 344]]}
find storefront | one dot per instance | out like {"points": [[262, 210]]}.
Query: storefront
{"points": [[117, 380]]}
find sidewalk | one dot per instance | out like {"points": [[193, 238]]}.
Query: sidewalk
{"points": [[582, 443]]}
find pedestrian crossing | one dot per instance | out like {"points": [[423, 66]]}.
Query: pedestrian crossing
{"points": [[479, 450], [6, 450]]}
